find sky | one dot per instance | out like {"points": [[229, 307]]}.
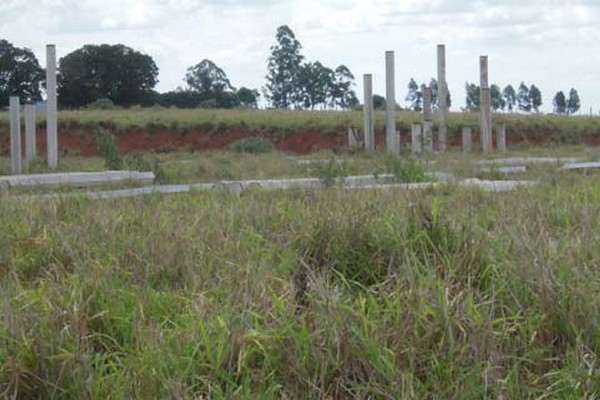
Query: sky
{"points": [[554, 44]]}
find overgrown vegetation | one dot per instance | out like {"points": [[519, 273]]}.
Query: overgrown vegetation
{"points": [[304, 294], [252, 145]]}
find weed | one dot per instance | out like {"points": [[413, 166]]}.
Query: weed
{"points": [[252, 145]]}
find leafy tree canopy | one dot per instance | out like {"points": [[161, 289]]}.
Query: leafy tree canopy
{"points": [[20, 74]]}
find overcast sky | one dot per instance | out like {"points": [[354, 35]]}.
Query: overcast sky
{"points": [[554, 44]]}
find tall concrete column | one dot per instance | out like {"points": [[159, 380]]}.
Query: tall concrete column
{"points": [[15, 134], [442, 95], [428, 137], [392, 142], [51, 112], [427, 115], [486, 105], [501, 138], [369, 120], [467, 139], [486, 120], [30, 146]]}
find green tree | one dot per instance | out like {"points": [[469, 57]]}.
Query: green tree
{"points": [[20, 74], [473, 97], [510, 97], [573, 103], [523, 98], [283, 70], [498, 102], [248, 97], [560, 103], [316, 85], [343, 95], [433, 84], [535, 98], [378, 102], [414, 96], [212, 84], [115, 72]]}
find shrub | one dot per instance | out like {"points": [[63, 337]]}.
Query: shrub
{"points": [[404, 170], [108, 147], [252, 145], [331, 172], [102, 104]]}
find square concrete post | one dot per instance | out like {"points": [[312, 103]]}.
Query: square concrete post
{"points": [[428, 137], [51, 107], [486, 120], [501, 138], [416, 139], [15, 134], [369, 120], [442, 95], [352, 138], [30, 146], [467, 139], [486, 105], [427, 115], [393, 145]]}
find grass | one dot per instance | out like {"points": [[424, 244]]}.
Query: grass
{"points": [[450, 293], [279, 123]]}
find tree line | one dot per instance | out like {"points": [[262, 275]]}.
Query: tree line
{"points": [[127, 77]]}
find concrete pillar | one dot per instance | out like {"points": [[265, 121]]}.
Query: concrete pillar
{"points": [[427, 115], [369, 120], [51, 112], [442, 95], [486, 120], [15, 134], [416, 139], [30, 146], [393, 146], [428, 137], [501, 138], [486, 105], [352, 138], [467, 139]]}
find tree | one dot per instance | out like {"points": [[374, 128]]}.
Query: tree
{"points": [[510, 97], [560, 103], [248, 98], [535, 98], [433, 84], [573, 103], [523, 98], [378, 102], [20, 74], [498, 102], [343, 95], [212, 84], [316, 85], [414, 96], [473, 98], [283, 70], [116, 72]]}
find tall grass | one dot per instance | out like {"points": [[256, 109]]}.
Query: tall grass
{"points": [[453, 294]]}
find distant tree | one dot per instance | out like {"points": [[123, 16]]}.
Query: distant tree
{"points": [[498, 102], [378, 102], [180, 99], [248, 98], [20, 74], [573, 103], [523, 98], [283, 70], [343, 94], [535, 98], [414, 96], [115, 72], [510, 97], [207, 79], [473, 97], [560, 103], [433, 84], [316, 84]]}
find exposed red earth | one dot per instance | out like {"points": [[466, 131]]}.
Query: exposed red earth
{"points": [[81, 141]]}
